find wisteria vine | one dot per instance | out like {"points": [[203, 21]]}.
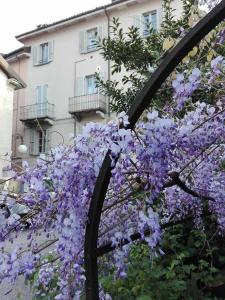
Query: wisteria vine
{"points": [[170, 166]]}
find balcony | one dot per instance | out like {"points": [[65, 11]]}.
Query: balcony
{"points": [[87, 104], [42, 111]]}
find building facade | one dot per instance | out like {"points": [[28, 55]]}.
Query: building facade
{"points": [[58, 63], [9, 81]]}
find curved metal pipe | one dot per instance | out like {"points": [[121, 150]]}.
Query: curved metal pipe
{"points": [[143, 99]]}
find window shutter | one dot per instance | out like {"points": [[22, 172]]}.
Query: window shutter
{"points": [[142, 26], [50, 51], [100, 33], [82, 41], [154, 20], [79, 86], [47, 140], [137, 22], [102, 75], [33, 142], [39, 53], [44, 105], [79, 128], [105, 31], [35, 55], [159, 16], [45, 93], [38, 94]]}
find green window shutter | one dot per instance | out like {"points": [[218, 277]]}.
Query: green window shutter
{"points": [[137, 22], [79, 89], [50, 51], [47, 140], [102, 75], [35, 55], [105, 31], [39, 53], [154, 20], [82, 41], [100, 33], [44, 93], [33, 142], [159, 16], [38, 94]]}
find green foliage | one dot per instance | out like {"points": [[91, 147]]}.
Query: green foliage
{"points": [[134, 58], [194, 260], [192, 268], [41, 291]]}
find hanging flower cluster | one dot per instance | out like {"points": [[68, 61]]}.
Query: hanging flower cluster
{"points": [[165, 169], [183, 90]]}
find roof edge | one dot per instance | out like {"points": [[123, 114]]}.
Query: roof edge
{"points": [[18, 51], [43, 28], [10, 73]]}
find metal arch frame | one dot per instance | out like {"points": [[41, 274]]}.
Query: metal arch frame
{"points": [[143, 99]]}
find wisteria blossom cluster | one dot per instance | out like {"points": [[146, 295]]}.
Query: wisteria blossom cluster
{"points": [[183, 90], [165, 169], [185, 84]]}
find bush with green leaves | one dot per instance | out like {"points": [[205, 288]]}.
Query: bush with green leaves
{"points": [[192, 267], [135, 58]]}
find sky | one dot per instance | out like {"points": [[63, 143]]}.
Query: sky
{"points": [[18, 16]]}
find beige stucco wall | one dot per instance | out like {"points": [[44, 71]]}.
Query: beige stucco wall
{"points": [[68, 64], [6, 118]]}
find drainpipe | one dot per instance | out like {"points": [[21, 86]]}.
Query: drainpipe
{"points": [[108, 61], [17, 111]]}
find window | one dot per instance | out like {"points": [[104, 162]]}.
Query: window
{"points": [[88, 39], [90, 85], [41, 93], [42, 141], [43, 53], [149, 21], [145, 21], [39, 141], [41, 100], [92, 38]]}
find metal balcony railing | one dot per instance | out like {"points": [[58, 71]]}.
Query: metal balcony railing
{"points": [[37, 111], [85, 103]]}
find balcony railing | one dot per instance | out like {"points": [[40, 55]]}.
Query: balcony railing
{"points": [[87, 103], [37, 111]]}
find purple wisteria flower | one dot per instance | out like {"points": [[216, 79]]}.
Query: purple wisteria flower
{"points": [[148, 161], [184, 88]]}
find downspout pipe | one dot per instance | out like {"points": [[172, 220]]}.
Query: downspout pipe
{"points": [[108, 61]]}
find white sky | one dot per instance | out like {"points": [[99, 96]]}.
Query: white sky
{"points": [[18, 16]]}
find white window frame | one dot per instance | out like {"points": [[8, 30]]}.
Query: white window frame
{"points": [[39, 141], [42, 141], [91, 38], [44, 53], [146, 23], [93, 89]]}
